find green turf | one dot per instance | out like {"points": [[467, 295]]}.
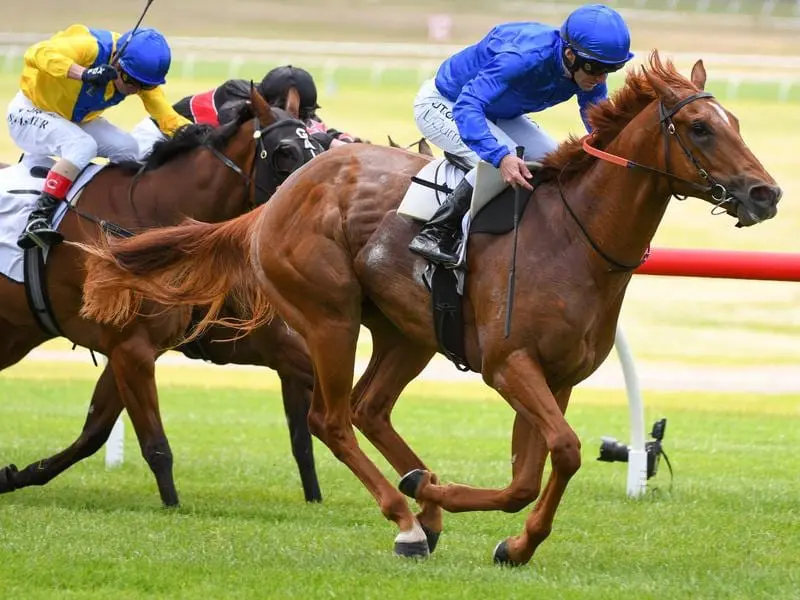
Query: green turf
{"points": [[728, 529]]}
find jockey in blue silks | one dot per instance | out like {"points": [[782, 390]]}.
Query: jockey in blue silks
{"points": [[476, 106]]}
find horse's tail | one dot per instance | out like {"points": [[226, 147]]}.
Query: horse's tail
{"points": [[193, 264]]}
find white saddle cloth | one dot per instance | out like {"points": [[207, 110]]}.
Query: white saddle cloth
{"points": [[18, 193]]}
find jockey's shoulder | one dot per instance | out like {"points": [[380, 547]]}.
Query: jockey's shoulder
{"points": [[76, 31]]}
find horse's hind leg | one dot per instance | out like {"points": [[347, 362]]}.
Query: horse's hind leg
{"points": [[331, 337], [333, 348], [395, 361], [133, 363], [104, 409], [296, 404]]}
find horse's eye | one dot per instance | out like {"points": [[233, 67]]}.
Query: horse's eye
{"points": [[700, 129], [286, 159]]}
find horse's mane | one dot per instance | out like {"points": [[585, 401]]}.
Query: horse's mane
{"points": [[188, 138], [609, 117]]}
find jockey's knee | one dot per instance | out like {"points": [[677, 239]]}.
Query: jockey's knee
{"points": [[81, 152], [126, 148]]}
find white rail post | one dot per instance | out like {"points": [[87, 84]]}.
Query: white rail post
{"points": [[115, 445], [637, 455]]}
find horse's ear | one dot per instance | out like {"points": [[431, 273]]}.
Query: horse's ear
{"points": [[293, 102], [661, 88], [392, 143], [425, 147], [699, 75], [261, 107]]}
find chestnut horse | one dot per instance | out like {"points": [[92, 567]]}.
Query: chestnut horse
{"points": [[330, 253], [208, 175]]}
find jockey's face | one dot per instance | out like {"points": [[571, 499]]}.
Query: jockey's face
{"points": [[588, 81], [125, 84], [585, 80]]}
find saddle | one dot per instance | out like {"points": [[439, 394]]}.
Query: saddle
{"points": [[20, 185], [492, 212]]}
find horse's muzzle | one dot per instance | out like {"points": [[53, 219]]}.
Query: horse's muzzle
{"points": [[755, 202]]}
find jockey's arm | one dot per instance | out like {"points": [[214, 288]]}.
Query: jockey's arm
{"points": [[62, 56], [157, 106], [469, 110], [328, 137]]}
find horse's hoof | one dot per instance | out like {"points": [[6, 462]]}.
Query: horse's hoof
{"points": [[7, 479], [410, 482], [432, 537], [412, 543], [501, 556], [412, 549]]}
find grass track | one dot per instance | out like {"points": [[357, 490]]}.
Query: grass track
{"points": [[729, 528]]}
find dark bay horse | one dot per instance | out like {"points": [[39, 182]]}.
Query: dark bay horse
{"points": [[210, 176], [330, 253]]}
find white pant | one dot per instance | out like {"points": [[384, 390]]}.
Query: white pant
{"points": [[41, 133], [146, 133], [434, 116]]}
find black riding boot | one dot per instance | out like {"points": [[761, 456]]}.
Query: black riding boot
{"points": [[39, 231], [438, 239]]}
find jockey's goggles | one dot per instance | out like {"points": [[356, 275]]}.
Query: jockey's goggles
{"points": [[135, 82], [595, 67]]}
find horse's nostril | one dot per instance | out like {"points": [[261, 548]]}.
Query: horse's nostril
{"points": [[765, 194]]}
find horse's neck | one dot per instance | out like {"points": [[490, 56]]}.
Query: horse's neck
{"points": [[201, 187], [620, 208]]}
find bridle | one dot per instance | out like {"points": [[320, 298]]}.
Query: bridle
{"points": [[714, 188], [263, 155]]}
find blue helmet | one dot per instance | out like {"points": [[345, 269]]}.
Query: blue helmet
{"points": [[145, 56], [598, 33]]}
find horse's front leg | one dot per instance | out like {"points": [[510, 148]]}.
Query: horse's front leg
{"points": [[521, 382], [528, 454], [133, 363]]}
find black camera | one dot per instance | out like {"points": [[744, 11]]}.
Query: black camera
{"points": [[612, 450]]}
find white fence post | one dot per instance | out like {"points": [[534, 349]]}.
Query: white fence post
{"points": [[637, 455], [115, 445]]}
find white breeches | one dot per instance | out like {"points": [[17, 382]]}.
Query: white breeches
{"points": [[434, 115], [43, 133]]}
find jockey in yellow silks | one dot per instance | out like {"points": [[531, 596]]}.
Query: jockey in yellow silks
{"points": [[67, 82]]}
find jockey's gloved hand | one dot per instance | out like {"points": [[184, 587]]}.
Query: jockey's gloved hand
{"points": [[323, 139], [101, 75]]}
